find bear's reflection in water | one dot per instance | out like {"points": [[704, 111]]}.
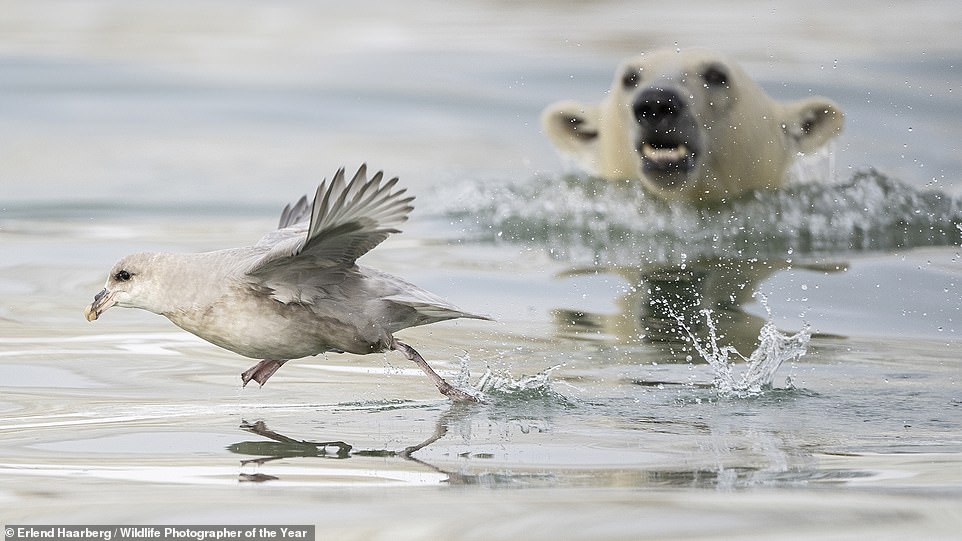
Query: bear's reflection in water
{"points": [[666, 304]]}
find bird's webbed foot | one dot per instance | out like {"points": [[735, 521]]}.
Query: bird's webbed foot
{"points": [[261, 372]]}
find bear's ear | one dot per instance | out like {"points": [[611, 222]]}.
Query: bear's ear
{"points": [[811, 123], [573, 128]]}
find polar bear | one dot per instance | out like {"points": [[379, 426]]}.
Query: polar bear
{"points": [[690, 125]]}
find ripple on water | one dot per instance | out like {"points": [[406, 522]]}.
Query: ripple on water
{"points": [[38, 376]]}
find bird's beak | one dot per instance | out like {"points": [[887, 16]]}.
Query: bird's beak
{"points": [[102, 301]]}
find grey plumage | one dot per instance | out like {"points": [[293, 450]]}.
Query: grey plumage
{"points": [[298, 291]]}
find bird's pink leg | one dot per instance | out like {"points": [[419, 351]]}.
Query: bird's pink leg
{"points": [[446, 388], [261, 372]]}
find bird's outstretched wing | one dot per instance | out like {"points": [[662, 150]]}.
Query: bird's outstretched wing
{"points": [[347, 219], [295, 213]]}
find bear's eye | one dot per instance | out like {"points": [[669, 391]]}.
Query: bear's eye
{"points": [[122, 276], [631, 78], [714, 76]]}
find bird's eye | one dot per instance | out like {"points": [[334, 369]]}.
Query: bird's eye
{"points": [[122, 276], [715, 77]]}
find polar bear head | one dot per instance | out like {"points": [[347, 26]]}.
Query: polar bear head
{"points": [[690, 125]]}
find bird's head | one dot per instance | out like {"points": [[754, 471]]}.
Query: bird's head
{"points": [[129, 285]]}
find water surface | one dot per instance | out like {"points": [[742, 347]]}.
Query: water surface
{"points": [[187, 127]]}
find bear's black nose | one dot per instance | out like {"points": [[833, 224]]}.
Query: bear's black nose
{"points": [[657, 107]]}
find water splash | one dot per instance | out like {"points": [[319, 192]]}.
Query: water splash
{"points": [[774, 348], [586, 219], [506, 384], [502, 383]]}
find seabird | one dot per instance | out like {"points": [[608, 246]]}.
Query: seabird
{"points": [[297, 292]]}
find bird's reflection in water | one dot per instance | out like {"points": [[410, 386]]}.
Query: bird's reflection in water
{"points": [[285, 447], [775, 458], [664, 304], [282, 446]]}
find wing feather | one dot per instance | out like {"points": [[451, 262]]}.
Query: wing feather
{"points": [[293, 214], [347, 219]]}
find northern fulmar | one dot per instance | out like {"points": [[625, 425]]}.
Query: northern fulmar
{"points": [[297, 292]]}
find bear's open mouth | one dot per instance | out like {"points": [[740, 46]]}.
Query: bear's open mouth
{"points": [[667, 156], [669, 149], [664, 157]]}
